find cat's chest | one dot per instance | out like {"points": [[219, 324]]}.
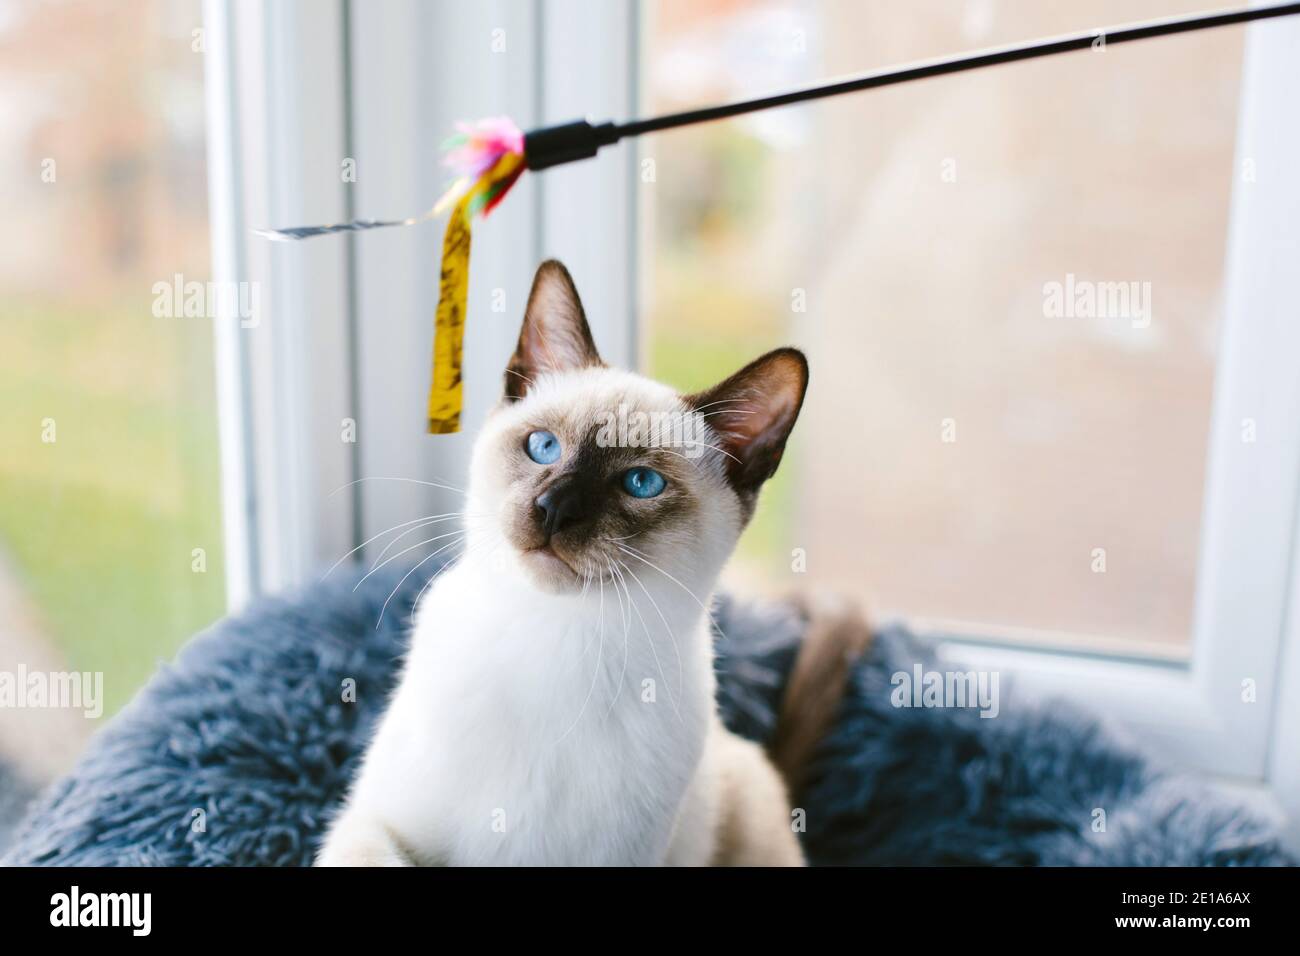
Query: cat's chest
{"points": [[535, 737], [586, 799], [559, 761], [563, 719], [561, 784]]}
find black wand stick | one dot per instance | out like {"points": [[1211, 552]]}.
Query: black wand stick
{"points": [[553, 145]]}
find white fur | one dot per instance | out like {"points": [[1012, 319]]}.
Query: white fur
{"points": [[520, 732]]}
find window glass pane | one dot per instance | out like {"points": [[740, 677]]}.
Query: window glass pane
{"points": [[110, 526], [1008, 283]]}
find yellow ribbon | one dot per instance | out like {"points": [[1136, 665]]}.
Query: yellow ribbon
{"points": [[446, 387]]}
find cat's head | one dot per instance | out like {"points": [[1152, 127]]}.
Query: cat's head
{"points": [[583, 466]]}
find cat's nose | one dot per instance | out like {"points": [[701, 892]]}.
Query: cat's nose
{"points": [[558, 507]]}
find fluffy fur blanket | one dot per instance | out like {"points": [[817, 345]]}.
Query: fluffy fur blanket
{"points": [[237, 753]]}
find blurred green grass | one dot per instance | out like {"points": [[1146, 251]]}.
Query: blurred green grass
{"points": [[713, 310], [693, 356], [100, 525]]}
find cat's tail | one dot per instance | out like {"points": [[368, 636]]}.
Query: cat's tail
{"points": [[835, 636]]}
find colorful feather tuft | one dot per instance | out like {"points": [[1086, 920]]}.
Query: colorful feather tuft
{"points": [[477, 150], [488, 158]]}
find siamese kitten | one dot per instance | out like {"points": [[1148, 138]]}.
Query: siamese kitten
{"points": [[557, 704]]}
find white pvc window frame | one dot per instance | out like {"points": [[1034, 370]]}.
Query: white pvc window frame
{"points": [[296, 87], [1231, 709], [344, 338], [277, 130]]}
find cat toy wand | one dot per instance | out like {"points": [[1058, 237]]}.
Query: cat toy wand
{"points": [[489, 157]]}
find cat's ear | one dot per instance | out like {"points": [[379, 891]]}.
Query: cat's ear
{"points": [[752, 413], [555, 336]]}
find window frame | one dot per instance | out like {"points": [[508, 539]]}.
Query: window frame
{"points": [[289, 83], [275, 75], [1248, 581], [294, 88]]}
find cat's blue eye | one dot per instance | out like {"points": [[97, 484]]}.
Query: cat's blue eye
{"points": [[543, 448], [643, 482]]}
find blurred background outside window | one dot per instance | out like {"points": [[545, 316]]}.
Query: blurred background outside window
{"points": [[110, 520], [963, 457], [966, 458]]}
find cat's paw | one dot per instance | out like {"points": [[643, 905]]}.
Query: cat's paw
{"points": [[356, 841]]}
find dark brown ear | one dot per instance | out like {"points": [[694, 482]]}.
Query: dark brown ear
{"points": [[752, 413], [555, 336]]}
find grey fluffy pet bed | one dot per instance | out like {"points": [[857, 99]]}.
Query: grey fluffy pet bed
{"points": [[249, 727]]}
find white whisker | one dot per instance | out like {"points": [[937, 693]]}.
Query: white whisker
{"points": [[720, 401], [720, 451], [418, 544], [625, 615], [667, 628], [728, 411], [414, 481], [530, 382], [422, 561], [472, 549], [434, 519], [368, 541], [596, 674], [633, 552]]}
